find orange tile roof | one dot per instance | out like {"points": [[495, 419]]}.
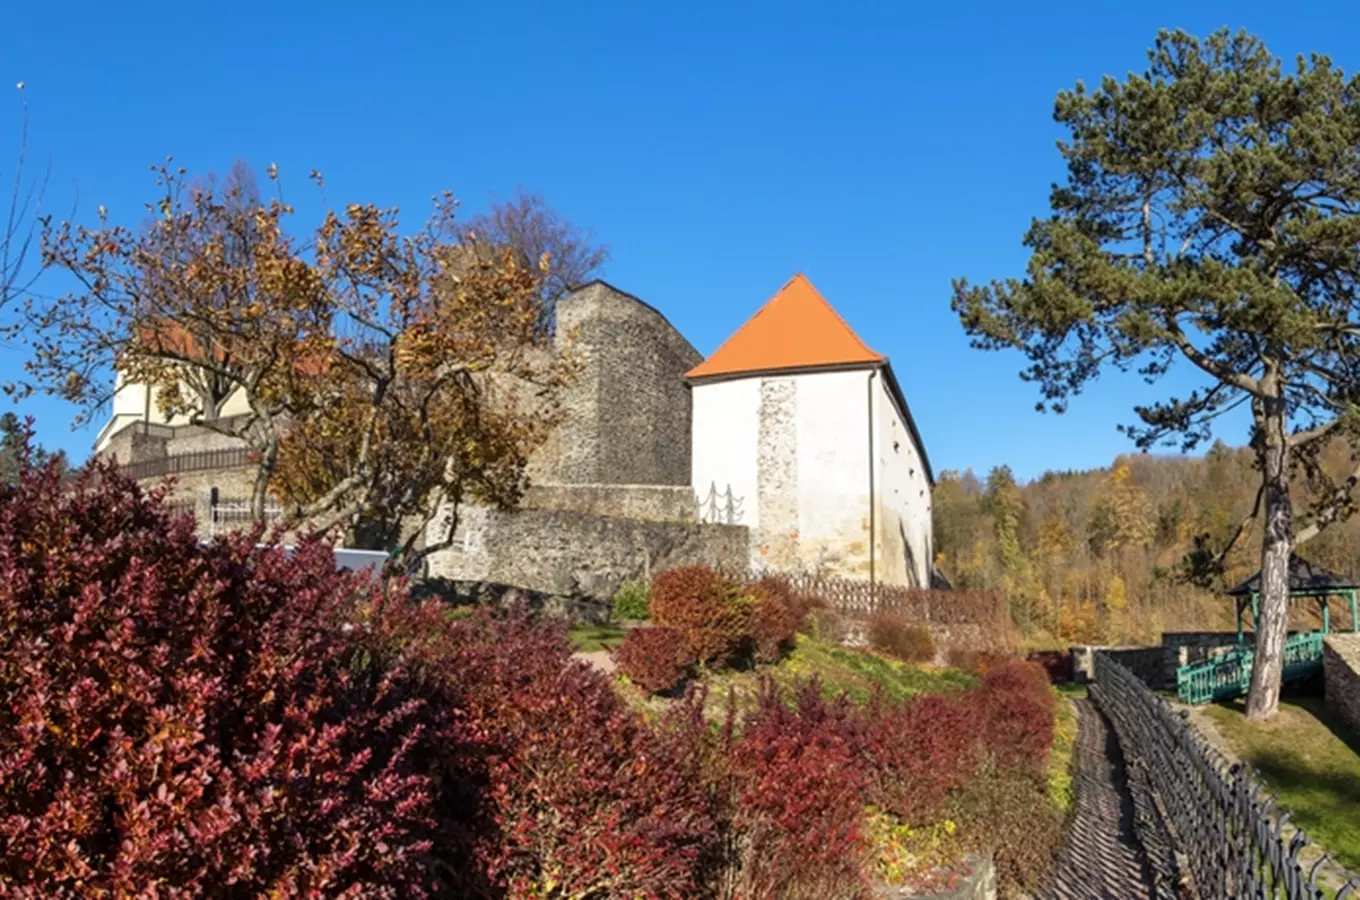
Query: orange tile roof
{"points": [[796, 329]]}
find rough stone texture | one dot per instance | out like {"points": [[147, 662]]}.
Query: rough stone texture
{"points": [[1341, 677], [569, 553], [1157, 666], [193, 439], [131, 445], [1186, 647], [650, 502], [628, 410], [776, 538], [1148, 663], [573, 608], [854, 632], [191, 491], [979, 883]]}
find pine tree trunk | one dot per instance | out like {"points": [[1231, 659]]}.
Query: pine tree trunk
{"points": [[1276, 546]]}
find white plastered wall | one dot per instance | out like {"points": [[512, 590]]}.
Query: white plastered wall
{"points": [[795, 450], [130, 405], [725, 425], [905, 545], [833, 472]]}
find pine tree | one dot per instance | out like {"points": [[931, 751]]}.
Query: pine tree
{"points": [[1210, 218]]}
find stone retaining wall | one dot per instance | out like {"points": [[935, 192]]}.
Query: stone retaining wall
{"points": [[1147, 663], [980, 883], [568, 553], [1341, 676], [649, 502]]}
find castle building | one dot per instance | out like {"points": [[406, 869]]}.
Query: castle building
{"points": [[798, 417], [791, 448]]}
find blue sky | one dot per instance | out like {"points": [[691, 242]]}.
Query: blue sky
{"points": [[716, 148]]}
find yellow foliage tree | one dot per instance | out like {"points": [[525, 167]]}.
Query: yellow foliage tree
{"points": [[387, 374]]}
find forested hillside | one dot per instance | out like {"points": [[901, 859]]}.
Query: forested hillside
{"points": [[1100, 555]]}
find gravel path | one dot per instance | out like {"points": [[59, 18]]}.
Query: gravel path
{"points": [[600, 659], [1103, 857]]}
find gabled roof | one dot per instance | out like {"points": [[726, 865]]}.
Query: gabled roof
{"points": [[796, 329], [1304, 578]]}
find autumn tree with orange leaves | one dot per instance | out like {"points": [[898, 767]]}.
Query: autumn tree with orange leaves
{"points": [[387, 376]]}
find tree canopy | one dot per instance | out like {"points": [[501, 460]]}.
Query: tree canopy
{"points": [[381, 376], [1210, 217]]}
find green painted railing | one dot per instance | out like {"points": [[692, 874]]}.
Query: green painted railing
{"points": [[1229, 675]]}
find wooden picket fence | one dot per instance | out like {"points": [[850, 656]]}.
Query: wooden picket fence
{"points": [[984, 612]]}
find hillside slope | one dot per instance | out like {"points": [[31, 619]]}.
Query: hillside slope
{"points": [[1099, 555]]}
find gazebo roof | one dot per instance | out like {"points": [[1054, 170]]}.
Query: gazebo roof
{"points": [[1304, 578]]}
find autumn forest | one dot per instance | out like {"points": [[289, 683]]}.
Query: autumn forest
{"points": [[1115, 554]]}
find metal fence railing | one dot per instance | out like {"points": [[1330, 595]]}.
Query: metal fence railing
{"points": [[1229, 838], [235, 515], [201, 461], [718, 508]]}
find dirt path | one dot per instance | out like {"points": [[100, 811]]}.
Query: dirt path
{"points": [[600, 659], [1103, 857]]}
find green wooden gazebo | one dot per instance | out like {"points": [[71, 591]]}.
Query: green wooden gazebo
{"points": [[1226, 675], [1305, 580]]}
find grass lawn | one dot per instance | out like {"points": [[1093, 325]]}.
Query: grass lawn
{"points": [[1310, 763], [589, 638], [856, 672], [1062, 757], [838, 669]]}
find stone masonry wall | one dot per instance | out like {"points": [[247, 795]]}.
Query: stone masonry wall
{"points": [[650, 502], [776, 540], [131, 445], [1341, 677], [628, 410], [1148, 664], [566, 552]]}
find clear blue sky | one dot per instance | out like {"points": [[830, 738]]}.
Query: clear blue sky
{"points": [[716, 148]]}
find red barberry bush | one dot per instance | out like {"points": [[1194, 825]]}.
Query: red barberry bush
{"points": [[713, 613], [920, 751], [799, 793], [776, 616], [1017, 708], [180, 719], [549, 784], [655, 659]]}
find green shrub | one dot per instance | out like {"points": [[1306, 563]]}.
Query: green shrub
{"points": [[633, 601], [895, 635]]}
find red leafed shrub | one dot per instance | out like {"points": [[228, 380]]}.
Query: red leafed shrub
{"points": [[799, 793], [656, 659], [1057, 664], [547, 779], [775, 618], [709, 609], [1017, 709], [800, 603], [920, 751], [177, 718], [894, 634], [979, 662]]}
